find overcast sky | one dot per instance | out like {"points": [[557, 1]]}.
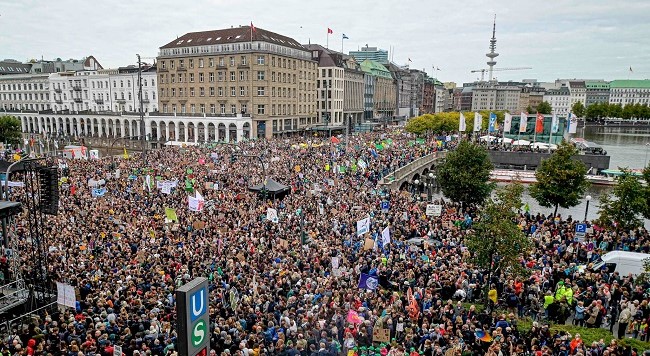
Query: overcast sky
{"points": [[559, 39]]}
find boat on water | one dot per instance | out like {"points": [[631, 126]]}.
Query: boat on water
{"points": [[528, 177]]}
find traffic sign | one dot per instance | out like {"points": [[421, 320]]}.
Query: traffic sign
{"points": [[193, 318], [581, 230], [385, 205]]}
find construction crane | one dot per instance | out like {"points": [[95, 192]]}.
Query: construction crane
{"points": [[483, 71]]}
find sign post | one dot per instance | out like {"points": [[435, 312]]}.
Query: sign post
{"points": [[193, 318], [581, 230]]}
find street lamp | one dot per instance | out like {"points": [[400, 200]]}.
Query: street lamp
{"points": [[417, 185], [429, 191], [588, 197]]}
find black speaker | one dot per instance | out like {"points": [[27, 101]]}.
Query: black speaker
{"points": [[48, 180]]}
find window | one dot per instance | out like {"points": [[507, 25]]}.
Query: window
{"points": [[260, 61], [220, 76], [211, 91], [121, 84], [244, 108], [173, 92], [191, 62], [183, 108], [242, 91], [211, 77], [193, 109], [260, 91], [273, 61], [201, 91], [233, 92], [171, 65], [163, 65], [233, 108], [192, 91], [241, 75], [191, 77], [220, 91], [181, 63], [272, 76], [221, 62], [213, 109], [200, 77], [232, 61], [201, 64], [260, 75], [232, 76], [260, 109], [222, 108], [202, 108], [211, 62]]}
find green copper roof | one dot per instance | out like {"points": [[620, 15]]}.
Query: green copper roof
{"points": [[375, 68], [645, 84]]}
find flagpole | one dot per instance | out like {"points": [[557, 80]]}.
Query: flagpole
{"points": [[342, 45], [327, 43]]}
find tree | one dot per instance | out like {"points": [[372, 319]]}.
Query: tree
{"points": [[624, 206], [496, 241], [578, 109], [561, 180], [544, 108], [465, 174], [10, 130], [646, 177], [417, 125]]}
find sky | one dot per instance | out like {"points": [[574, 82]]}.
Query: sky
{"points": [[588, 39]]}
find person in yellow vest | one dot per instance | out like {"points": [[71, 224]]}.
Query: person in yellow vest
{"points": [[548, 300], [492, 295], [568, 294], [560, 291]]}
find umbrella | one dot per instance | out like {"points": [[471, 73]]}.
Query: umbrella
{"points": [[521, 143]]}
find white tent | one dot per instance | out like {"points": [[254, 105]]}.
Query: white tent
{"points": [[506, 140], [521, 143], [540, 145], [488, 138]]}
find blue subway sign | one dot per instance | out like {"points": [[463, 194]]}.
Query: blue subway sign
{"points": [[193, 318]]}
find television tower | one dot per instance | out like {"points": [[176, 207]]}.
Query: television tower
{"points": [[493, 47]]}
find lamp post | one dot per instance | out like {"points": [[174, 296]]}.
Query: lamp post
{"points": [[588, 197], [417, 186], [432, 178]]}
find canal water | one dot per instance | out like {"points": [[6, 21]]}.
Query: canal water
{"points": [[627, 147]]}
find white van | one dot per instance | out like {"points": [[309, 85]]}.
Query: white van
{"points": [[623, 262]]}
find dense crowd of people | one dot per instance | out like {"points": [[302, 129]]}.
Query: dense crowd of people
{"points": [[275, 292]]}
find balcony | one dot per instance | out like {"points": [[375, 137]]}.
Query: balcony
{"points": [[58, 101], [145, 101], [243, 65], [182, 68], [99, 101], [76, 87], [162, 70], [121, 101], [58, 90], [78, 100]]}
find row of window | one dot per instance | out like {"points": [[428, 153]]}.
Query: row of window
{"points": [[221, 75], [22, 86], [213, 108], [25, 96], [220, 91], [232, 61]]}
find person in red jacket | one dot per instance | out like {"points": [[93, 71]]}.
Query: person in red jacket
{"points": [[31, 346]]}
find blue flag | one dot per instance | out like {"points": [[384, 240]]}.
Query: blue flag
{"points": [[493, 121], [367, 281]]}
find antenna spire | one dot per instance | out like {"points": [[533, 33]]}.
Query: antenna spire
{"points": [[493, 46]]}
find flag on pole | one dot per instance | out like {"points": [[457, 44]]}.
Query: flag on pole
{"points": [[478, 122], [631, 69], [253, 29], [363, 226], [385, 236], [329, 31], [367, 281], [345, 37], [523, 121], [572, 122], [492, 122], [507, 123], [171, 214], [555, 124], [462, 126], [354, 318], [539, 123]]}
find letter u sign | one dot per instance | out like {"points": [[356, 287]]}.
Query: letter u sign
{"points": [[198, 304]]}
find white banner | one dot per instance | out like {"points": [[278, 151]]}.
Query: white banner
{"points": [[434, 210], [507, 123], [363, 226], [65, 295], [272, 215], [461, 123], [385, 236], [195, 203], [478, 122]]}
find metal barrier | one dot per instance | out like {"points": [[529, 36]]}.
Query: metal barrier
{"points": [[8, 327]]}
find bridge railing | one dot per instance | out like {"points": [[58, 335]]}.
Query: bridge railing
{"points": [[408, 169]]}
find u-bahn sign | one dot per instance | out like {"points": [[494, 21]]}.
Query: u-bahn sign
{"points": [[193, 318]]}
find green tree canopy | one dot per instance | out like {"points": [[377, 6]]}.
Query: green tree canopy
{"points": [[578, 109], [448, 122], [646, 177], [561, 180], [465, 174], [10, 129], [496, 241], [544, 108], [626, 204]]}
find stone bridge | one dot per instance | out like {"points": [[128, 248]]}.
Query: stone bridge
{"points": [[417, 169]]}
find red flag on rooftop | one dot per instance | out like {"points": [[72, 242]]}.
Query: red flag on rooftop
{"points": [[329, 31], [253, 27]]}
